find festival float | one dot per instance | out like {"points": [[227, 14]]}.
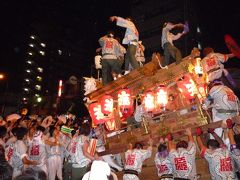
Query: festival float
{"points": [[171, 101]]}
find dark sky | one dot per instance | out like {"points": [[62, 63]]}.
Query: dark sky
{"points": [[76, 25]]}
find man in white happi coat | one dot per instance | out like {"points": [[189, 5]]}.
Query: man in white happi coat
{"points": [[114, 161], [111, 49], [224, 104], [131, 38], [134, 159], [218, 157], [37, 150], [213, 65], [19, 156], [183, 157]]}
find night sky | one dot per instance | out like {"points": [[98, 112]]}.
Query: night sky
{"points": [[77, 25]]}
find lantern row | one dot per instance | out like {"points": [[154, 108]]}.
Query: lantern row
{"points": [[152, 101]]}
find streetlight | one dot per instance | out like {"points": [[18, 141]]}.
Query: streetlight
{"points": [[2, 78]]}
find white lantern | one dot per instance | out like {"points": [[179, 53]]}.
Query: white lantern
{"points": [[98, 61]]}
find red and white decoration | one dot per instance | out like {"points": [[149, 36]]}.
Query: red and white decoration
{"points": [[107, 104], [96, 113], [161, 96], [187, 87], [125, 102]]}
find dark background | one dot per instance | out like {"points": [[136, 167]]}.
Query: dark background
{"points": [[75, 26]]}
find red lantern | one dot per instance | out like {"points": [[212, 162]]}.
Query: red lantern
{"points": [[187, 87], [125, 103], [148, 101], [107, 104], [161, 99], [96, 113]]}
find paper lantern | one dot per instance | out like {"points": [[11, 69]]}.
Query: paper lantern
{"points": [[124, 98], [161, 96], [187, 87], [107, 104], [198, 68], [96, 113], [125, 103], [97, 61], [148, 101]]}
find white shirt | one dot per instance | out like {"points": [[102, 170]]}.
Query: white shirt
{"points": [[163, 165], [220, 163], [183, 160], [167, 36], [37, 151], [134, 158], [100, 170], [79, 159], [110, 47], [131, 33], [223, 98], [19, 152], [213, 65]]}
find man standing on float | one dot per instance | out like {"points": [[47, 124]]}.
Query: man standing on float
{"points": [[131, 38]]}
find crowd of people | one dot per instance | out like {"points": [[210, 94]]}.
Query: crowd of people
{"points": [[62, 148]]}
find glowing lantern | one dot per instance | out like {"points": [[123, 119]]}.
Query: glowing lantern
{"points": [[96, 113], [161, 96], [187, 87], [107, 104], [125, 103], [124, 98], [198, 68], [148, 101]]}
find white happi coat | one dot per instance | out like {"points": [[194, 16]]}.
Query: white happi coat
{"points": [[220, 164], [224, 104], [19, 152], [134, 160], [183, 160], [213, 65], [131, 33], [110, 47], [163, 165], [78, 158], [37, 152]]}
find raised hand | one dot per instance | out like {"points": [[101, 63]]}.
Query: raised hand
{"points": [[113, 18], [198, 131], [188, 132], [229, 124], [169, 137]]}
